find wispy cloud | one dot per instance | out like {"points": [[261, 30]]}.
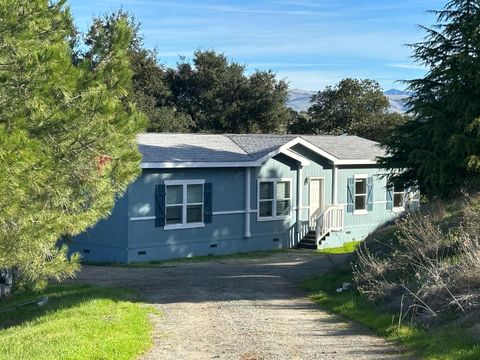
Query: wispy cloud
{"points": [[313, 43], [407, 66]]}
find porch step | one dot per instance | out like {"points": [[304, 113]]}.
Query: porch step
{"points": [[308, 241], [303, 245]]}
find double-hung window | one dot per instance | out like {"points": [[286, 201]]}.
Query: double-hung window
{"points": [[274, 199], [360, 193], [398, 198], [184, 205]]}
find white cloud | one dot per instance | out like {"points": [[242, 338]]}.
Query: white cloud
{"points": [[407, 66]]}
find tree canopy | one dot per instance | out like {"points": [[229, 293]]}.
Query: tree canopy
{"points": [[150, 93], [439, 149], [208, 94], [67, 134], [353, 106], [217, 95]]}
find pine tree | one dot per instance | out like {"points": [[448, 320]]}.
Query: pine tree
{"points": [[67, 135], [438, 151]]}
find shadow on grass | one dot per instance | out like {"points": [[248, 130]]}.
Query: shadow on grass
{"points": [[60, 297]]}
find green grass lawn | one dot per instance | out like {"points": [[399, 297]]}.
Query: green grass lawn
{"points": [[193, 259], [346, 248], [451, 342], [78, 322]]}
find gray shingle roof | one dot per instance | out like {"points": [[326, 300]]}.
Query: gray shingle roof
{"points": [[178, 148], [258, 145], [211, 148], [346, 147]]}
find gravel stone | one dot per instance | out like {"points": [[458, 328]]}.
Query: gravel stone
{"points": [[243, 309]]}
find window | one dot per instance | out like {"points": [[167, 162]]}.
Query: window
{"points": [[398, 198], [360, 193], [184, 204], [274, 198]]}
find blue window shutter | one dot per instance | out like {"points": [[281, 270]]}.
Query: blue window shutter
{"points": [[370, 194], [160, 205], [390, 199], [207, 196], [350, 194]]}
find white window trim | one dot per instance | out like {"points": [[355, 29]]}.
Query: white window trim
{"points": [[184, 224], [274, 200], [398, 208], [360, 211], [184, 182]]}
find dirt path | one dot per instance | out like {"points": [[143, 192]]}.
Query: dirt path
{"points": [[243, 309]]}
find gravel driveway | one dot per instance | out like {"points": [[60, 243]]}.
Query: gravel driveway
{"points": [[243, 309]]}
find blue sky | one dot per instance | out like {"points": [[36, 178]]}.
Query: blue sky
{"points": [[309, 43]]}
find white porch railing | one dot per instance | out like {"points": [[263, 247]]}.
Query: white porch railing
{"points": [[330, 220]]}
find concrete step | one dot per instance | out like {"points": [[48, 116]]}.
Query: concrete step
{"points": [[303, 245], [308, 241]]}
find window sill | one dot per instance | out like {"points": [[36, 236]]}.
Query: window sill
{"points": [[183, 226], [360, 212], [272, 218], [398, 209]]}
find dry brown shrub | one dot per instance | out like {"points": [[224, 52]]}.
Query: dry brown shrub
{"points": [[430, 270]]}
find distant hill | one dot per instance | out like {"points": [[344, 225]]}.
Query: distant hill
{"points": [[299, 100], [397, 100]]}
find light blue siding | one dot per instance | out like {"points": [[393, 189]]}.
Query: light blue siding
{"points": [[130, 235], [147, 242], [358, 226], [319, 168], [108, 239]]}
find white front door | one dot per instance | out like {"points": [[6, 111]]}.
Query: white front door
{"points": [[315, 200]]}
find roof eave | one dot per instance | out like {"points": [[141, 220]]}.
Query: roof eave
{"points": [[355, 162], [200, 164], [293, 142]]}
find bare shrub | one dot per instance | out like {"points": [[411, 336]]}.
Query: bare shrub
{"points": [[428, 269]]}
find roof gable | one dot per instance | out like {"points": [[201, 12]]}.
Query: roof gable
{"points": [[163, 150]]}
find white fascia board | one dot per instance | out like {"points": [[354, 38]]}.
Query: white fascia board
{"points": [[178, 165], [356, 162], [297, 157], [259, 162], [333, 159], [317, 150], [294, 142]]}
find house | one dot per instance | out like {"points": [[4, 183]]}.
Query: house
{"points": [[202, 194]]}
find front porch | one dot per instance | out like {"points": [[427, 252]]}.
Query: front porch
{"points": [[320, 227]]}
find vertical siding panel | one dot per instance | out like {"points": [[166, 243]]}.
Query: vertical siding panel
{"points": [[225, 234]]}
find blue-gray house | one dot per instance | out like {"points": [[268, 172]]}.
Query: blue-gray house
{"points": [[202, 194]]}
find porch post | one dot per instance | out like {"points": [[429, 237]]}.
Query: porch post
{"points": [[334, 185], [247, 202], [299, 200]]}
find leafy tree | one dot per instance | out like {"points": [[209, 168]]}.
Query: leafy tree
{"points": [[67, 134], [439, 149], [150, 93], [301, 123], [153, 97], [377, 127], [219, 97], [353, 106]]}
